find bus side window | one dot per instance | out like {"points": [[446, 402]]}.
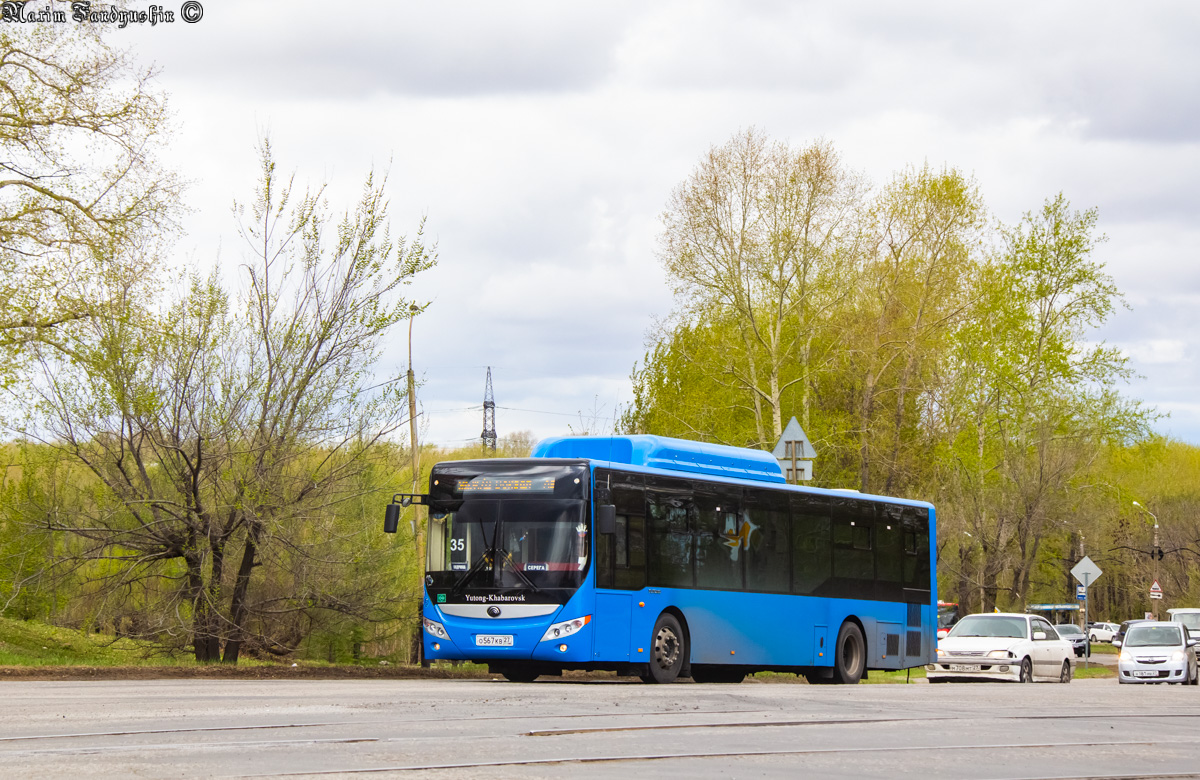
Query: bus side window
{"points": [[853, 548], [670, 518], [767, 536], [889, 552], [629, 542], [621, 553], [632, 576], [811, 558], [916, 548]]}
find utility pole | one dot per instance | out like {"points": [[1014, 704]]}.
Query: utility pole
{"points": [[1155, 555], [489, 415], [412, 428]]}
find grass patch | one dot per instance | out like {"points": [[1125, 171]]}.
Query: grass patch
{"points": [[875, 677], [1104, 648], [28, 643], [1094, 671]]}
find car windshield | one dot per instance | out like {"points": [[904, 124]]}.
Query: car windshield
{"points": [[991, 625], [1069, 628], [1153, 636]]}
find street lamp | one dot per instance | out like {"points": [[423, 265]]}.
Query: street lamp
{"points": [[1155, 554]]}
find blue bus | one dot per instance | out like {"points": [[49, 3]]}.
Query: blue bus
{"points": [[662, 558]]}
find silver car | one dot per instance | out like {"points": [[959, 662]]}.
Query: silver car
{"points": [[1157, 651]]}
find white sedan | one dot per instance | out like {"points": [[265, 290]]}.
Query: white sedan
{"points": [[1103, 632], [1002, 646]]}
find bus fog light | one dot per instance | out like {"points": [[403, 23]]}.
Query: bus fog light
{"points": [[565, 629], [436, 646], [562, 648]]}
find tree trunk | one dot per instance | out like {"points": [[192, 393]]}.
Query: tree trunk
{"points": [[205, 645], [238, 604]]}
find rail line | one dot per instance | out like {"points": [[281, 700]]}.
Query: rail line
{"points": [[604, 729], [598, 759]]}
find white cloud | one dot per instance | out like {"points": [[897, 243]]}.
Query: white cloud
{"points": [[542, 141]]}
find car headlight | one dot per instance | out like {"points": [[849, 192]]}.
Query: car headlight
{"points": [[435, 628], [940, 651], [565, 629], [1178, 656], [1000, 654], [1125, 656]]}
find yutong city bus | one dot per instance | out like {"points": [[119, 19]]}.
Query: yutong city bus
{"points": [[665, 558]]}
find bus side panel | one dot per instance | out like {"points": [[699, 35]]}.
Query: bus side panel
{"points": [[614, 614]]}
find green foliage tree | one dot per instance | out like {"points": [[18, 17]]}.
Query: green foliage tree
{"points": [[232, 436], [82, 195], [758, 238]]}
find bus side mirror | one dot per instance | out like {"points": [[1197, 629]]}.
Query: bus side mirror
{"points": [[606, 519], [391, 518]]}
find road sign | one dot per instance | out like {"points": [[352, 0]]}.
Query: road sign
{"points": [[795, 452], [1081, 592], [1156, 590], [1086, 571]]}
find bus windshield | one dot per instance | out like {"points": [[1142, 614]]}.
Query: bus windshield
{"points": [[525, 530]]}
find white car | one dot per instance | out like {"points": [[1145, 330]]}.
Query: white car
{"points": [[1158, 651], [1103, 632], [1005, 646]]}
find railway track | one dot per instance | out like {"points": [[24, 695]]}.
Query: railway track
{"points": [[482, 730]]}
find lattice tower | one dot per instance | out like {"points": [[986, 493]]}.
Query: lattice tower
{"points": [[489, 414]]}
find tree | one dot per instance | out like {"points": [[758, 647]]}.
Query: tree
{"points": [[82, 195], [230, 437], [759, 237], [914, 289], [1033, 405]]}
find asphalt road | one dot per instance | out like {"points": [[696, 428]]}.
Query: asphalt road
{"points": [[553, 729]]}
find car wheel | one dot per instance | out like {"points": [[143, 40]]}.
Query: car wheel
{"points": [[1065, 675], [1092, 638], [1026, 671], [1196, 676]]}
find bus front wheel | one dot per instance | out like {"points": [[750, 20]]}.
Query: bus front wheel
{"points": [[668, 650], [850, 659]]}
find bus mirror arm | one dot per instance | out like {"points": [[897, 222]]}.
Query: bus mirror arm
{"points": [[606, 518], [391, 516]]}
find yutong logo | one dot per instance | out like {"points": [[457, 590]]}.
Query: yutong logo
{"points": [[493, 611]]}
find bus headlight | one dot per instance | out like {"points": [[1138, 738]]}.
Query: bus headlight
{"points": [[565, 629], [435, 628]]}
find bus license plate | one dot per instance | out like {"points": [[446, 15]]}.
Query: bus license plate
{"points": [[1145, 673], [964, 668], [493, 640]]}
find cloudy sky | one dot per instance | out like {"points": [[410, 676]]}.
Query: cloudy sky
{"points": [[541, 141]]}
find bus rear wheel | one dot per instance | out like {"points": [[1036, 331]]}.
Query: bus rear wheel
{"points": [[668, 650], [717, 674], [850, 655]]}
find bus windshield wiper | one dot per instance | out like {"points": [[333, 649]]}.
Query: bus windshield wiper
{"points": [[471, 572], [508, 558]]}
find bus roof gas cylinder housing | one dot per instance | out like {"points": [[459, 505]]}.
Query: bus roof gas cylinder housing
{"points": [[660, 452]]}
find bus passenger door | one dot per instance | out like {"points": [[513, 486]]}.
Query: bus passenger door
{"points": [[611, 627]]}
